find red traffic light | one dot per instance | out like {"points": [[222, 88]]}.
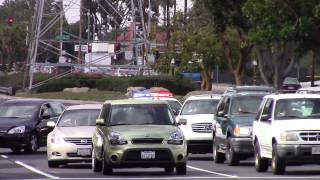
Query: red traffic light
{"points": [[10, 20]]}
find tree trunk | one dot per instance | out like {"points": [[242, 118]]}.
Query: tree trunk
{"points": [[206, 82]]}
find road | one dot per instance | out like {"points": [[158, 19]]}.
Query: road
{"points": [[34, 166]]}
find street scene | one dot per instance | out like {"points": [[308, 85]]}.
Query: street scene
{"points": [[159, 89]]}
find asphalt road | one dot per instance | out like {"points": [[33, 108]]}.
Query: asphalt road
{"points": [[34, 166]]}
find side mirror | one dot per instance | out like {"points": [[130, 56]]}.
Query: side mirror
{"points": [[182, 121], [100, 122], [51, 124], [265, 118], [220, 113], [175, 112]]}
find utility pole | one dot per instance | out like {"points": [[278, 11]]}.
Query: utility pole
{"points": [[133, 14], [61, 28], [80, 34]]}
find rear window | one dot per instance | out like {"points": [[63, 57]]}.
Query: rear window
{"points": [[139, 114], [203, 106]]}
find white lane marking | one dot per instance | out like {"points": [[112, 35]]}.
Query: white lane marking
{"points": [[4, 156], [36, 170], [211, 172], [188, 177]]}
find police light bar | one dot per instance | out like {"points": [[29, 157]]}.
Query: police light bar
{"points": [[141, 95], [162, 94]]}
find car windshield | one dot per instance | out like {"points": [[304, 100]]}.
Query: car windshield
{"points": [[245, 105], [138, 114], [203, 106], [18, 110], [291, 81], [297, 109], [81, 117]]}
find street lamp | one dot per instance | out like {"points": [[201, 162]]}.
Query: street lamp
{"points": [[254, 64]]}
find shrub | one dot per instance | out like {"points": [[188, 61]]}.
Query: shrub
{"points": [[57, 85]]}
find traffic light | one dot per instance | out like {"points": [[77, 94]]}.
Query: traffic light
{"points": [[10, 20]]}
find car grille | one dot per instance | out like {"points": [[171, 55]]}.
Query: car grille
{"points": [[160, 155], [147, 141], [76, 155], [79, 141], [202, 127], [310, 136]]}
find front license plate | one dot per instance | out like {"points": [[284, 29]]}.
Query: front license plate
{"points": [[316, 150], [84, 152], [148, 154]]}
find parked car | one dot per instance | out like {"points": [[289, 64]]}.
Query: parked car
{"points": [[232, 132], [196, 119], [290, 85], [71, 138], [287, 130], [138, 133], [23, 123], [309, 90]]}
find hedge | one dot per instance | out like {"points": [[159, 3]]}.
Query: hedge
{"points": [[176, 85]]}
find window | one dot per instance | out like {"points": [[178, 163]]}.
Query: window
{"points": [[46, 110], [267, 109], [57, 108], [105, 113]]}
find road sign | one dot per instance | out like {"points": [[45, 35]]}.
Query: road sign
{"points": [[84, 48], [63, 37]]}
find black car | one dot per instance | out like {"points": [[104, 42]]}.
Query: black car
{"points": [[232, 132], [290, 85], [23, 123]]}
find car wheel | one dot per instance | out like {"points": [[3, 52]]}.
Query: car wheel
{"points": [[33, 144], [16, 150], [261, 164], [169, 169], [106, 168], [217, 156], [53, 164], [96, 164], [231, 157], [278, 164], [181, 169]]}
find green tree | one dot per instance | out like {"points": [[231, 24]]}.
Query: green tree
{"points": [[231, 27]]}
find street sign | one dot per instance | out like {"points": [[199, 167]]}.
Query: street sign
{"points": [[63, 37], [84, 48]]}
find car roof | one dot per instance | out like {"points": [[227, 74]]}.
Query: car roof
{"points": [[134, 101], [292, 96], [84, 106], [246, 94], [28, 101], [237, 89], [204, 96]]}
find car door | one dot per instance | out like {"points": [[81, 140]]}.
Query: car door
{"points": [[264, 134]]}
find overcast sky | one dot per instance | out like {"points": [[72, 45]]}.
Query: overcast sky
{"points": [[72, 8]]}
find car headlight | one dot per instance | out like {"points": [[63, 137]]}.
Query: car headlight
{"points": [[56, 139], [176, 138], [289, 136], [116, 139], [17, 130], [242, 131]]}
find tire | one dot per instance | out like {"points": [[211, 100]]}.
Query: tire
{"points": [[169, 169], [217, 156], [96, 164], [261, 164], [181, 169], [106, 168], [278, 164], [53, 164], [33, 144], [231, 156], [16, 150]]}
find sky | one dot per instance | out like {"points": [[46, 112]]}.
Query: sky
{"points": [[72, 8]]}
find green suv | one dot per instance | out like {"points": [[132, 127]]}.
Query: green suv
{"points": [[232, 132], [138, 133]]}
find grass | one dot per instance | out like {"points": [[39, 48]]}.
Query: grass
{"points": [[93, 95]]}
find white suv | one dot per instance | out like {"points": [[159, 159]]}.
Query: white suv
{"points": [[196, 121], [287, 130]]}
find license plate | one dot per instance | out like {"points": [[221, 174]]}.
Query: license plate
{"points": [[148, 154], [316, 150], [291, 87], [84, 152]]}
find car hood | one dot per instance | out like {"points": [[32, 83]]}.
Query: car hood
{"points": [[298, 124], [78, 131], [7, 123], [145, 131], [200, 118], [243, 120]]}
